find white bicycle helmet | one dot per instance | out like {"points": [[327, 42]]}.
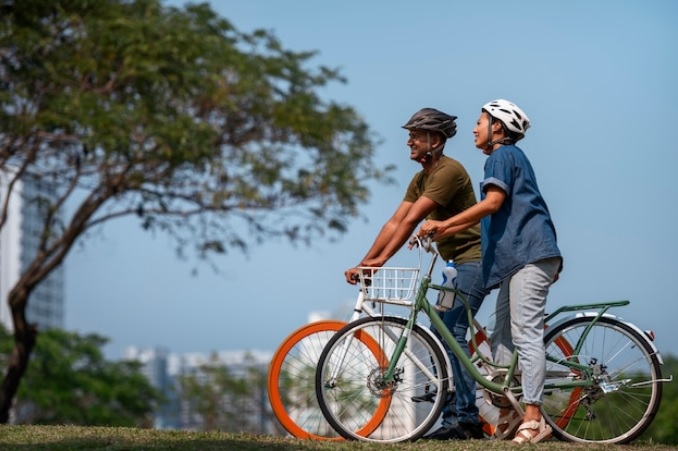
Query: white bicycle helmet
{"points": [[513, 117]]}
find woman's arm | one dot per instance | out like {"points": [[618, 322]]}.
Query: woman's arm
{"points": [[494, 198]]}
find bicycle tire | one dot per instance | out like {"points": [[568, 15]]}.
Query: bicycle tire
{"points": [[624, 400], [291, 383], [415, 400]]}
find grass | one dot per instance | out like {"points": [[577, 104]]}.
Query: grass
{"points": [[72, 438]]}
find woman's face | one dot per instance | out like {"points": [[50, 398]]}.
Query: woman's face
{"points": [[481, 134]]}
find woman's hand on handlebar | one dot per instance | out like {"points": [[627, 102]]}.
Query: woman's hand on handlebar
{"points": [[431, 228], [424, 241]]}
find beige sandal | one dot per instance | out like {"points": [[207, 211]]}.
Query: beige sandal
{"points": [[523, 436], [507, 424]]}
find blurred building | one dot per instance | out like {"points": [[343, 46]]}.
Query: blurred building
{"points": [[155, 367], [165, 371], [19, 240]]}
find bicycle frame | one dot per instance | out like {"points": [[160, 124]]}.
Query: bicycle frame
{"points": [[362, 306], [503, 387]]}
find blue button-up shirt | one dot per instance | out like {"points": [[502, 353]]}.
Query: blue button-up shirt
{"points": [[521, 231]]}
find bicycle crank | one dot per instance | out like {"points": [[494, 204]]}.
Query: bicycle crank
{"points": [[499, 400]]}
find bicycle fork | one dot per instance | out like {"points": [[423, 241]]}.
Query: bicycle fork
{"points": [[391, 373]]}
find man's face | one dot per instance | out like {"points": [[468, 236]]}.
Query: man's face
{"points": [[419, 143]]}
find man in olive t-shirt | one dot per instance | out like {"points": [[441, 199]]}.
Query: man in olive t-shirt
{"points": [[449, 187], [440, 190]]}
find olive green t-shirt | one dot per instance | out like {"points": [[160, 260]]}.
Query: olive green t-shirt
{"points": [[449, 186]]}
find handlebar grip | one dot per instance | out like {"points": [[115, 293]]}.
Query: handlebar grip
{"points": [[356, 277]]}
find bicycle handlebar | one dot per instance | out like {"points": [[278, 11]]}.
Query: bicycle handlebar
{"points": [[425, 242]]}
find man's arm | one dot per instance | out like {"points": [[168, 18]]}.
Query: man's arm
{"points": [[394, 234], [401, 231], [381, 241], [387, 231]]}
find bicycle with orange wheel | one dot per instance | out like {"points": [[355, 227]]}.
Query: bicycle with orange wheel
{"points": [[291, 375]]}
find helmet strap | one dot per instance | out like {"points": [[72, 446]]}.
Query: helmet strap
{"points": [[432, 151], [490, 143]]}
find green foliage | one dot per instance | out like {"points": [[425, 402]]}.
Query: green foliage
{"points": [[664, 428], [220, 399], [169, 114], [68, 381]]}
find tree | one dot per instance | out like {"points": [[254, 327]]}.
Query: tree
{"points": [[220, 399], [216, 137], [68, 381]]}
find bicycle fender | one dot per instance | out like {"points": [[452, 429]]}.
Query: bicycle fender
{"points": [[640, 332]]}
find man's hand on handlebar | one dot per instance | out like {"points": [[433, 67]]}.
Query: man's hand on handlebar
{"points": [[352, 275]]}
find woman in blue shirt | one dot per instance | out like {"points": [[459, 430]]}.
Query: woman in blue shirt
{"points": [[520, 252]]}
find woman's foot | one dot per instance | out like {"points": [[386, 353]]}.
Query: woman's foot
{"points": [[532, 431]]}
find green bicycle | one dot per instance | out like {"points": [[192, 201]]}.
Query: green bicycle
{"points": [[603, 375]]}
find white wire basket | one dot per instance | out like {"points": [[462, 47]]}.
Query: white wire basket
{"points": [[388, 284]]}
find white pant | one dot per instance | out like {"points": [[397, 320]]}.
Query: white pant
{"points": [[520, 324]]}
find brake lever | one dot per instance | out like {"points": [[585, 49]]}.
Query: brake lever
{"points": [[356, 277]]}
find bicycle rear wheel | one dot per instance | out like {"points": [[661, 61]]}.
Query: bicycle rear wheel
{"points": [[625, 371], [291, 383], [350, 386]]}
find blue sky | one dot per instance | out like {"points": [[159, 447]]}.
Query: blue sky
{"points": [[596, 78]]}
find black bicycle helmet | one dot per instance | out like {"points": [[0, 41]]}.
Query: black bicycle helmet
{"points": [[430, 119]]}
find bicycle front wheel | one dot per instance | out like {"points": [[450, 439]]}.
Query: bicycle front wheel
{"points": [[350, 382], [625, 373], [291, 383]]}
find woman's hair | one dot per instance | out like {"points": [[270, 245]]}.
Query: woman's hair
{"points": [[514, 137]]}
